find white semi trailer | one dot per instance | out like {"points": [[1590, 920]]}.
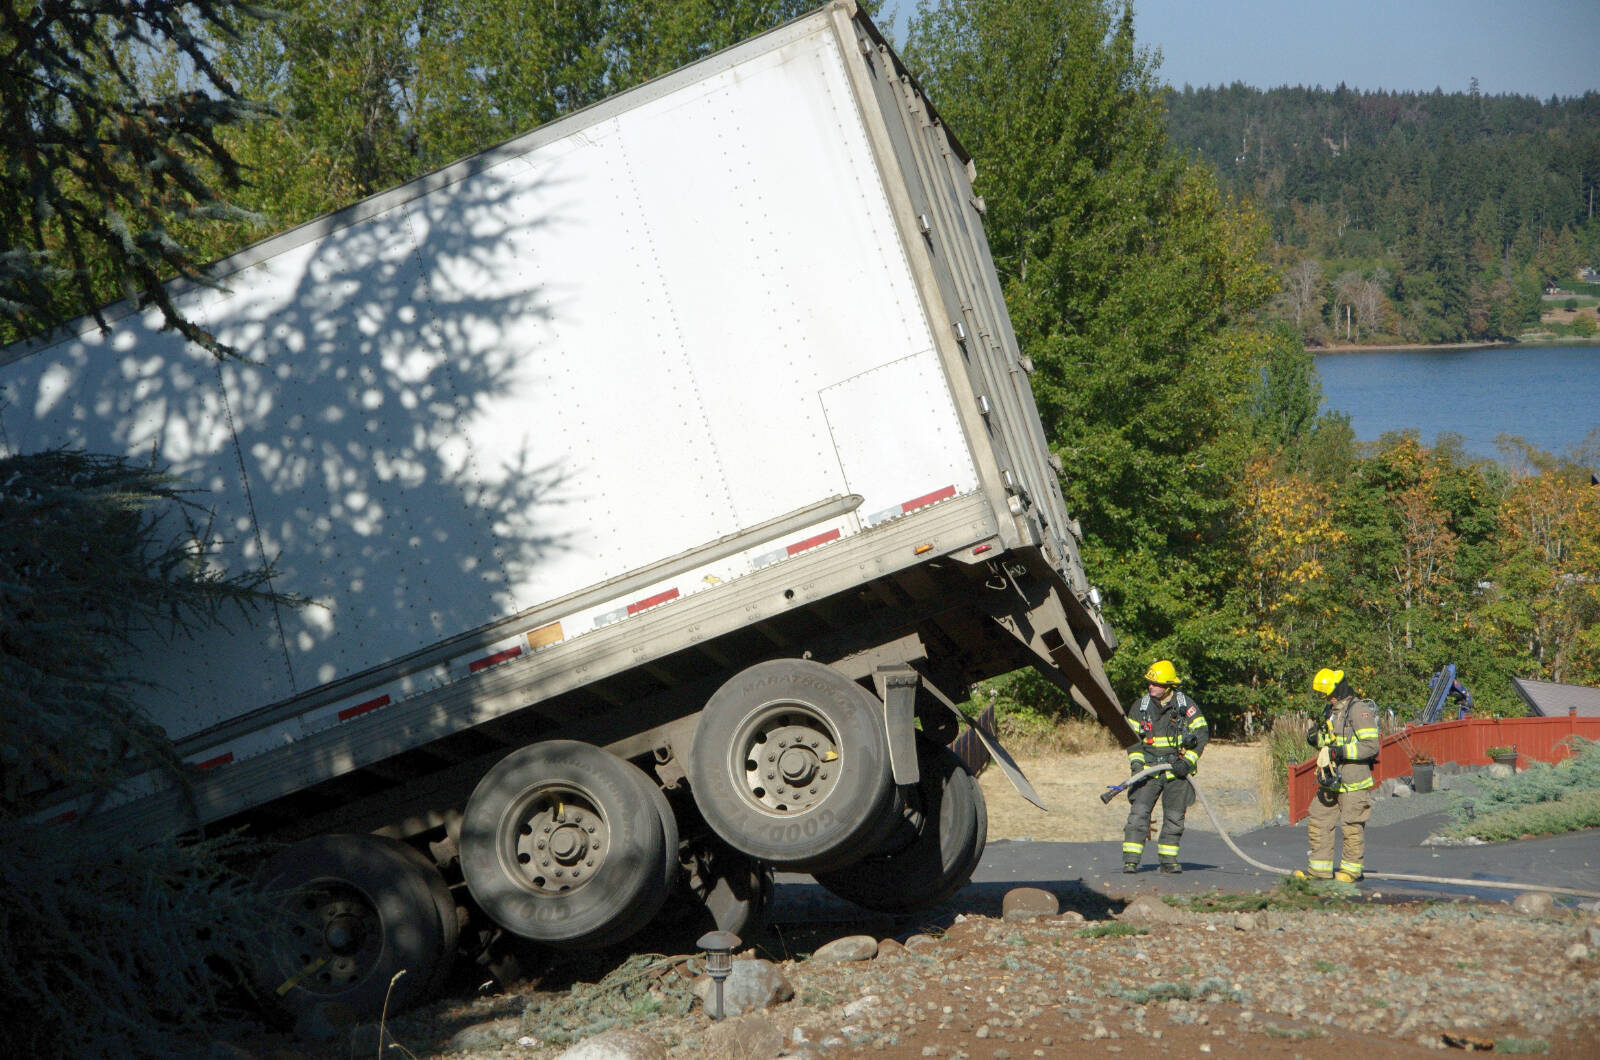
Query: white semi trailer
{"points": [[655, 481]]}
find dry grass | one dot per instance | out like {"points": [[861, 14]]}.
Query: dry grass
{"points": [[1074, 736], [1236, 779]]}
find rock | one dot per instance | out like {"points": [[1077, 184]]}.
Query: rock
{"points": [[325, 1022], [616, 1045], [1402, 791], [849, 948], [1534, 903], [483, 1035], [1577, 952], [750, 986], [860, 1005], [1028, 903], [889, 948], [921, 943], [1594, 938], [1500, 772], [1148, 909], [755, 1037], [1246, 922], [1070, 916]]}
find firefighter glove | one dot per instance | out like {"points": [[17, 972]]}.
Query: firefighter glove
{"points": [[1134, 766], [1324, 759], [1312, 734], [1181, 768]]}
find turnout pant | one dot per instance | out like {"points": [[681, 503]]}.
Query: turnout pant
{"points": [[1175, 796], [1348, 812]]}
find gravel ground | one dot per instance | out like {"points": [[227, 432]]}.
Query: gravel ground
{"points": [[1380, 981]]}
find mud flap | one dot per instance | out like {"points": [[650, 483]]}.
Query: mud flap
{"points": [[897, 687], [1008, 765]]}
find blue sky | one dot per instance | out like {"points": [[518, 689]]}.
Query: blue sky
{"points": [[1524, 47], [1527, 47]]}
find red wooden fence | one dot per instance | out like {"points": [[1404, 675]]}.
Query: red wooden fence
{"points": [[1465, 741]]}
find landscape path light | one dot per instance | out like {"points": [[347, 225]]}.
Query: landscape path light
{"points": [[719, 947]]}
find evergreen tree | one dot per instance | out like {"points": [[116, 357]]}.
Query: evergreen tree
{"points": [[1129, 277], [98, 172]]}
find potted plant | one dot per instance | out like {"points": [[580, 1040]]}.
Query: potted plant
{"points": [[1421, 772], [1503, 756]]}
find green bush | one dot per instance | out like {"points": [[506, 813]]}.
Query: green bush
{"points": [[1571, 813], [114, 951], [1541, 800], [105, 949]]}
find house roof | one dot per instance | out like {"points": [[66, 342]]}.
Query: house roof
{"points": [[1551, 700]]}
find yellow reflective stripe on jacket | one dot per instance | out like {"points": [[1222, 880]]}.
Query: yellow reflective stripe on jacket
{"points": [[1164, 741], [1360, 785]]}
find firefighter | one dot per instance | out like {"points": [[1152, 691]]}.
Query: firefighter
{"points": [[1172, 731], [1346, 739]]}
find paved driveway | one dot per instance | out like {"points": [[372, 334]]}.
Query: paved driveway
{"points": [[1089, 877]]}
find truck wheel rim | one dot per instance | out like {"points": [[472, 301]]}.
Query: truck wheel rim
{"points": [[337, 937], [786, 758], [555, 839]]}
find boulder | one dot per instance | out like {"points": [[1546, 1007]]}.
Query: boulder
{"points": [[1148, 909], [1028, 903], [849, 948], [746, 1036], [616, 1045], [1534, 903], [750, 987], [484, 1035]]}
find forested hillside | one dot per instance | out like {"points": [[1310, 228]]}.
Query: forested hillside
{"points": [[1403, 216]]}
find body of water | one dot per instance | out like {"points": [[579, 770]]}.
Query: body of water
{"points": [[1547, 395]]}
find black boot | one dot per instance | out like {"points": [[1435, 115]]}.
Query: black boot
{"points": [[1130, 866], [1171, 868]]}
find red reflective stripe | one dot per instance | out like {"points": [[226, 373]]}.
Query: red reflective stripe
{"points": [[936, 495], [490, 660], [212, 763], [361, 708], [659, 598], [813, 542]]}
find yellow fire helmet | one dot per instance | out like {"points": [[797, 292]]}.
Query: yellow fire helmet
{"points": [[1162, 672], [1327, 680]]}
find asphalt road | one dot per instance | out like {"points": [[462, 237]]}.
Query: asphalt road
{"points": [[1089, 876]]}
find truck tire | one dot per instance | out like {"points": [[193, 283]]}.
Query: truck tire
{"points": [[934, 856], [562, 844], [444, 904], [790, 764], [722, 889], [362, 908]]}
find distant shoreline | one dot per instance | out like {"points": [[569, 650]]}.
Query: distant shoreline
{"points": [[1414, 347], [1448, 346]]}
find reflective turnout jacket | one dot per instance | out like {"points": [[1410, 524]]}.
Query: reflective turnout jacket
{"points": [[1162, 726], [1349, 730]]}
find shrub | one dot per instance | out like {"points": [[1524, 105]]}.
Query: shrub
{"points": [[106, 949]]}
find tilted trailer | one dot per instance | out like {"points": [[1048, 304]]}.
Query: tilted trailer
{"points": [[656, 481]]}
